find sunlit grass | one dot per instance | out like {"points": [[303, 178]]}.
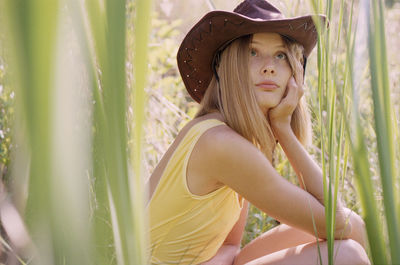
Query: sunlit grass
{"points": [[334, 107], [360, 155], [78, 211], [384, 125], [45, 164], [86, 207], [142, 29], [330, 117], [377, 228]]}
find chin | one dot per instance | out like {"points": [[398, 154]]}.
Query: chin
{"points": [[269, 106], [268, 103], [265, 109]]}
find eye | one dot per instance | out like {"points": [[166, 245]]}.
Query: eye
{"points": [[281, 56], [253, 52]]}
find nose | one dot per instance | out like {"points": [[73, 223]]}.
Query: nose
{"points": [[268, 67]]}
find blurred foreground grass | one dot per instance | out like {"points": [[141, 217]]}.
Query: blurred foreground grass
{"points": [[72, 108]]}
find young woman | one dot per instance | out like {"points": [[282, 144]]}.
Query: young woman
{"points": [[246, 69]]}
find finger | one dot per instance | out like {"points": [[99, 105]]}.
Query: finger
{"points": [[289, 86], [294, 95], [292, 91], [299, 76], [299, 88]]}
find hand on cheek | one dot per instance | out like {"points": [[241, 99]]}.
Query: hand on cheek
{"points": [[281, 115]]}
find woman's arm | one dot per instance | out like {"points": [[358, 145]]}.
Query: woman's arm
{"points": [[234, 161], [237, 163], [309, 173]]}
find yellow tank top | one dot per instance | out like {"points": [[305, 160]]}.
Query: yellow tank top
{"points": [[186, 228]]}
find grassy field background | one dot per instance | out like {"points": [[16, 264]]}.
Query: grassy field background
{"points": [[91, 98]]}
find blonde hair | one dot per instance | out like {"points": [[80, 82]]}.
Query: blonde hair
{"points": [[234, 99]]}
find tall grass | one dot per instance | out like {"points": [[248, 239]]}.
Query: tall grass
{"points": [[384, 125], [142, 29], [84, 186], [112, 187], [384, 128], [365, 185], [55, 197], [339, 91], [330, 118], [84, 205], [383, 231]]}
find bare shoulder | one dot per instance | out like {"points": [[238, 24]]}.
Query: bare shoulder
{"points": [[229, 159], [224, 142], [223, 139], [222, 151], [225, 157]]}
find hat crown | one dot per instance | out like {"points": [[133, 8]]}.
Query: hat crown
{"points": [[258, 9]]}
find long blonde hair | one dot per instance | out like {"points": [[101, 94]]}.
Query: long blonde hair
{"points": [[236, 101]]}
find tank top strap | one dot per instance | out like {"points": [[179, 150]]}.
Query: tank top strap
{"points": [[188, 142], [185, 147], [199, 128], [174, 174]]}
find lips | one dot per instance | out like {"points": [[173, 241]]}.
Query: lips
{"points": [[267, 85]]}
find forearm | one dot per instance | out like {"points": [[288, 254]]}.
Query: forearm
{"points": [[225, 255], [309, 173]]}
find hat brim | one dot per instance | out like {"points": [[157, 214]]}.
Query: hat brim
{"points": [[217, 28]]}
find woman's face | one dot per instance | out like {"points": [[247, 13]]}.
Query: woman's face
{"points": [[269, 69]]}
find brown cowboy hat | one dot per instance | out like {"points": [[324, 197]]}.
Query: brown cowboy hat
{"points": [[219, 28]]}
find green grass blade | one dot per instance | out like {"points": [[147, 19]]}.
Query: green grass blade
{"points": [[359, 153], [108, 28], [141, 36], [366, 193], [56, 201], [326, 98], [331, 147], [103, 249], [34, 34], [383, 123]]}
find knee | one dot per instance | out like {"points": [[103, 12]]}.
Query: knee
{"points": [[351, 250]]}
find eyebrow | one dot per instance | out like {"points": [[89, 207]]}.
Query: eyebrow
{"points": [[259, 43]]}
